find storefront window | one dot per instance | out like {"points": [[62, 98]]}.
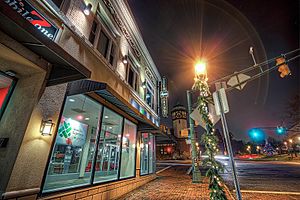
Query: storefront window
{"points": [[73, 154], [147, 153], [151, 153], [6, 85], [150, 95], [128, 150], [108, 157], [144, 153]]}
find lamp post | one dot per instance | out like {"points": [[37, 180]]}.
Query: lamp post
{"points": [[200, 71], [209, 139], [195, 160]]}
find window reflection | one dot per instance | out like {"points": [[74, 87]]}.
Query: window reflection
{"points": [[147, 153], [107, 163], [73, 153], [128, 150], [144, 153]]}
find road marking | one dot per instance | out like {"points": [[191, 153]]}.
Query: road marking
{"points": [[163, 169], [269, 192]]}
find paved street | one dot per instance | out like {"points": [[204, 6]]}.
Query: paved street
{"points": [[172, 183], [267, 176], [256, 177]]}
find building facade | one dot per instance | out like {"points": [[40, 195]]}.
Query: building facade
{"points": [[179, 120], [79, 97]]}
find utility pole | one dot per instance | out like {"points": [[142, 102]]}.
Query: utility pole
{"points": [[195, 160]]}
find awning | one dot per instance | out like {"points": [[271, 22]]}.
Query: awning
{"points": [[105, 92], [65, 68], [165, 139]]}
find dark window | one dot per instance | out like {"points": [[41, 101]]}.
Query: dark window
{"points": [[6, 85], [58, 3], [103, 43], [93, 32], [130, 79], [112, 54], [150, 96]]}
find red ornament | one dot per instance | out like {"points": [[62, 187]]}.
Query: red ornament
{"points": [[69, 141]]}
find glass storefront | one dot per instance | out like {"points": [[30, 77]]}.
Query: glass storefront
{"points": [[6, 85], [108, 157], [73, 153], [128, 150], [93, 145], [147, 153]]}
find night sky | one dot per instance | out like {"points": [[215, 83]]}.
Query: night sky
{"points": [[177, 32]]}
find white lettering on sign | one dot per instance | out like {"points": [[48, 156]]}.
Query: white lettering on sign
{"points": [[30, 14]]}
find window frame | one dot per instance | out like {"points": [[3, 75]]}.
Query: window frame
{"points": [[153, 154], [136, 77], [135, 153], [91, 182], [150, 87], [112, 40], [63, 7], [9, 94]]}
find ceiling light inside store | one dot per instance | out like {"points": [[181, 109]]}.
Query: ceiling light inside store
{"points": [[79, 117], [71, 100]]}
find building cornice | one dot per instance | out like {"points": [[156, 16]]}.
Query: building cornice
{"points": [[121, 13]]}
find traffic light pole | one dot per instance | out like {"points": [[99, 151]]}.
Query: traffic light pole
{"points": [[195, 160], [229, 148], [258, 66]]}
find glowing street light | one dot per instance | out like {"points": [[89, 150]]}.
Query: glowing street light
{"points": [[290, 140], [285, 143], [200, 68]]}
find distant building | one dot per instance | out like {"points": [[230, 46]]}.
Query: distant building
{"points": [[293, 135], [179, 118], [175, 144]]}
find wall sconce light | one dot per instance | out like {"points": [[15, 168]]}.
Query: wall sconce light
{"points": [[144, 85], [87, 9], [46, 127], [125, 59]]}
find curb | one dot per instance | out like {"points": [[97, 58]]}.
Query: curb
{"points": [[163, 169], [228, 191]]}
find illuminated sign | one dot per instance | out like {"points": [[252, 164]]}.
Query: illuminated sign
{"points": [[164, 97], [71, 132], [28, 12], [164, 94]]}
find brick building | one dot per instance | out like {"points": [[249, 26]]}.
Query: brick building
{"points": [[79, 100]]}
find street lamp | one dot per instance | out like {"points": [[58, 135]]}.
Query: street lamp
{"points": [[209, 138], [290, 140], [200, 68], [200, 73]]}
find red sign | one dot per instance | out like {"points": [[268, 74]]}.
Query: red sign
{"points": [[28, 12]]}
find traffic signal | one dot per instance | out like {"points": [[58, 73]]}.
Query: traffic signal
{"points": [[280, 130], [283, 67], [256, 134]]}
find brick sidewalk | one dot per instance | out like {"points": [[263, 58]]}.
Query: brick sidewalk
{"points": [[171, 184]]}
